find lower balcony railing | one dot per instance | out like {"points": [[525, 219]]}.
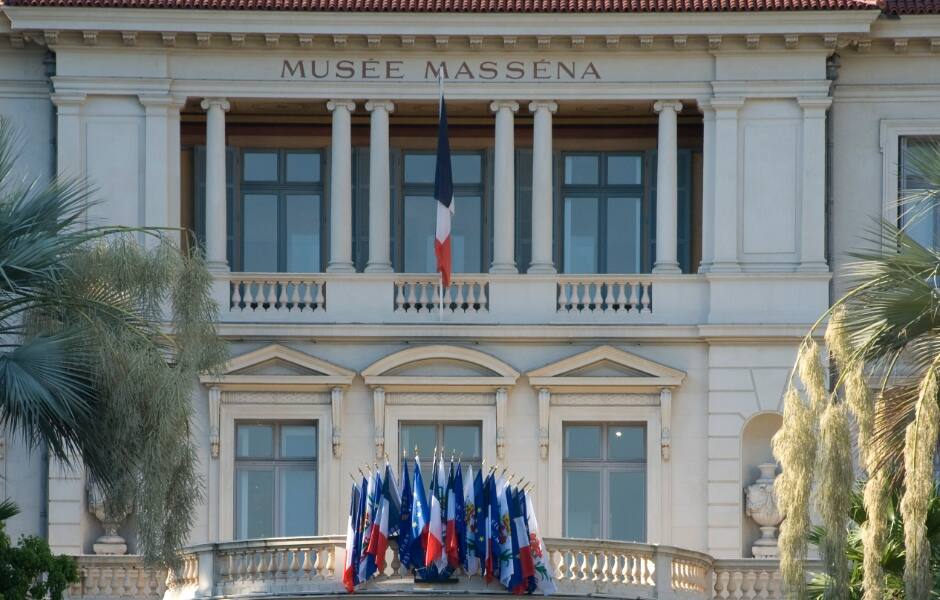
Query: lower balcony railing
{"points": [[313, 566]]}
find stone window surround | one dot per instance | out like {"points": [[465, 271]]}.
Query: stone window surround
{"points": [[892, 130]]}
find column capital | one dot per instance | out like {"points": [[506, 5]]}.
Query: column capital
{"points": [[68, 99], [332, 105], [386, 105], [208, 103], [537, 105], [704, 104], [661, 105], [498, 105], [814, 105], [727, 104]]}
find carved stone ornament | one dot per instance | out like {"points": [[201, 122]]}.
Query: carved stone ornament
{"points": [[111, 519], [762, 508]]}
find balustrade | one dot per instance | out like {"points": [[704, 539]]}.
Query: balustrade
{"points": [[603, 295], [276, 293], [104, 577], [748, 579], [422, 294]]}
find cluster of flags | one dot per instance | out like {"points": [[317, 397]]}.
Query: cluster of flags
{"points": [[474, 525]]}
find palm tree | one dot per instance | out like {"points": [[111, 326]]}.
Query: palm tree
{"points": [[882, 337], [101, 343]]}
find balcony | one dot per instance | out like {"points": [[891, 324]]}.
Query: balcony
{"points": [[290, 567], [489, 299]]}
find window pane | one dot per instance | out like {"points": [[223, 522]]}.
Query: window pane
{"points": [[627, 502], [303, 233], [580, 235], [583, 504], [260, 224], [420, 168], [298, 441], [255, 441], [420, 223], [255, 503], [423, 437], [623, 235], [583, 441], [303, 167], [624, 170], [466, 235], [260, 166], [463, 440], [467, 168], [625, 443], [298, 496], [581, 169]]}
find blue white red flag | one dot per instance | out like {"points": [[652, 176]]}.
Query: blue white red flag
{"points": [[419, 518], [434, 554], [352, 531], [367, 561], [444, 194]]}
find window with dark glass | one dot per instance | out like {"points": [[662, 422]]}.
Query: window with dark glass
{"points": [[275, 479], [418, 213], [920, 219], [458, 439], [605, 481]]}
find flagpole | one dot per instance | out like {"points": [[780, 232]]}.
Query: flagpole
{"points": [[440, 106]]}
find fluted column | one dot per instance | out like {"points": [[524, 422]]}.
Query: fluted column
{"points": [[379, 204], [667, 207], [504, 189], [542, 187], [813, 213], [341, 188], [216, 229]]}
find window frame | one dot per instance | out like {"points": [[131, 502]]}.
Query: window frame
{"points": [[605, 466], [405, 189], [276, 464], [603, 192], [440, 425], [891, 132]]}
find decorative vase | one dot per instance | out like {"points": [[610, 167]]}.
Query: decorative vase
{"points": [[761, 506], [111, 519]]}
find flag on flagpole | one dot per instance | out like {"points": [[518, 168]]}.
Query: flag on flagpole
{"points": [[471, 562], [479, 500], [492, 530], [405, 538], [515, 583], [393, 495], [460, 516], [419, 519], [505, 535], [378, 541], [367, 561], [521, 551], [545, 578], [352, 531], [451, 542], [444, 194], [435, 548]]}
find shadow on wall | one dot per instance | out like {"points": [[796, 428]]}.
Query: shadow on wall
{"points": [[755, 449]]}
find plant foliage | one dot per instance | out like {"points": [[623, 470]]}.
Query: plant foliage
{"points": [[30, 571]]}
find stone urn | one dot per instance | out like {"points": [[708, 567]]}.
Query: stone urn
{"points": [[111, 518], [761, 506]]}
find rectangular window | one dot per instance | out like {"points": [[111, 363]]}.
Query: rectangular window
{"points": [[463, 440], [602, 196], [419, 212], [920, 219], [275, 479], [605, 481]]}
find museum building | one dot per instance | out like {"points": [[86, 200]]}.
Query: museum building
{"points": [[654, 201]]}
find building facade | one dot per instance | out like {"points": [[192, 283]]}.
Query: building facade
{"points": [[654, 203]]}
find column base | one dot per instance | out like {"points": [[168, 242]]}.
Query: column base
{"points": [[814, 267], [724, 267], [667, 268], [216, 266], [341, 267], [506, 268], [379, 268], [541, 269]]}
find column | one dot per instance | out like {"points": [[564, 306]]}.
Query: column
{"points": [[69, 150], [813, 213], [667, 207], [216, 228], [379, 204], [725, 161], [542, 196], [341, 188], [504, 189], [162, 162], [708, 184]]}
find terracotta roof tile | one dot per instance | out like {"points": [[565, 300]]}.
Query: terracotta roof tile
{"points": [[502, 6], [911, 7]]}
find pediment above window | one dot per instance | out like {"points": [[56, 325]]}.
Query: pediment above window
{"points": [[279, 368], [440, 368], [605, 369]]}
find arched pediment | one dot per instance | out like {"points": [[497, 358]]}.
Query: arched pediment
{"points": [[277, 367], [442, 367], [605, 369]]}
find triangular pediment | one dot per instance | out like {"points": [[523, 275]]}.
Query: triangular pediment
{"points": [[440, 366], [279, 367], [605, 368]]}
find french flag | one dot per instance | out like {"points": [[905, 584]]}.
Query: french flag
{"points": [[444, 194], [435, 551], [451, 539], [352, 533]]}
